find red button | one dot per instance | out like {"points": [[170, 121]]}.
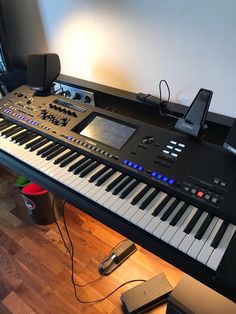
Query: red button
{"points": [[200, 194]]}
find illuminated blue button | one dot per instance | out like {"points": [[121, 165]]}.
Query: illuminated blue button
{"points": [[171, 181], [165, 179], [159, 176], [125, 162], [153, 174], [135, 166], [140, 168], [130, 164]]}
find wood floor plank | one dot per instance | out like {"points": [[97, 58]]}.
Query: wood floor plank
{"points": [[16, 305], [4, 309], [5, 289]]}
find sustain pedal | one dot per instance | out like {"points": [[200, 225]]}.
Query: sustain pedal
{"points": [[147, 295], [116, 257]]}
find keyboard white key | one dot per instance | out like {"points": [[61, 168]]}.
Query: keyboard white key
{"points": [[135, 208], [82, 182], [141, 212], [180, 234], [122, 205], [172, 230], [50, 163], [198, 244], [207, 249], [98, 191], [189, 238], [163, 225], [148, 216], [123, 210], [155, 221], [108, 199], [219, 252], [112, 200]]}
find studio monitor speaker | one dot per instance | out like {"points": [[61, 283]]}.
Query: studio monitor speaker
{"points": [[43, 69]]}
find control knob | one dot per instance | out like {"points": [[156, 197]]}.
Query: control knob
{"points": [[77, 96], [43, 114], [63, 122], [87, 99], [148, 139]]}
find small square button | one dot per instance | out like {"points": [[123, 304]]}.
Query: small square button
{"points": [[200, 194], [214, 200]]}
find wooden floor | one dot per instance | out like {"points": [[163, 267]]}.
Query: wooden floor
{"points": [[35, 267]]}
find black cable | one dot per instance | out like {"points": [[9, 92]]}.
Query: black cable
{"points": [[60, 88], [71, 253], [164, 103]]}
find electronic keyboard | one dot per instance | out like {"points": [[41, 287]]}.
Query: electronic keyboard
{"points": [[168, 191]]}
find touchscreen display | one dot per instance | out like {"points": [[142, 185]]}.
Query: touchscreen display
{"points": [[108, 132]]}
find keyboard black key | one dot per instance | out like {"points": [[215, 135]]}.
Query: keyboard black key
{"points": [[11, 131], [77, 164], [179, 214], [22, 137], [69, 159], [98, 174], [215, 242], [54, 148], [203, 227], [3, 122], [148, 200], [130, 188], [105, 177], [63, 157], [5, 125], [161, 205], [89, 169], [40, 143], [45, 149], [140, 195], [83, 166], [115, 182], [33, 143], [121, 185], [17, 137], [193, 221], [58, 151], [168, 212], [27, 138]]}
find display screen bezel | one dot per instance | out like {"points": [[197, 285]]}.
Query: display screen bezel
{"points": [[82, 125]]}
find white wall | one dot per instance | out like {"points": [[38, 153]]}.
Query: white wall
{"points": [[132, 44]]}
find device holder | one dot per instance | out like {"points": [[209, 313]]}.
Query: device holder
{"points": [[192, 122], [230, 141]]}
